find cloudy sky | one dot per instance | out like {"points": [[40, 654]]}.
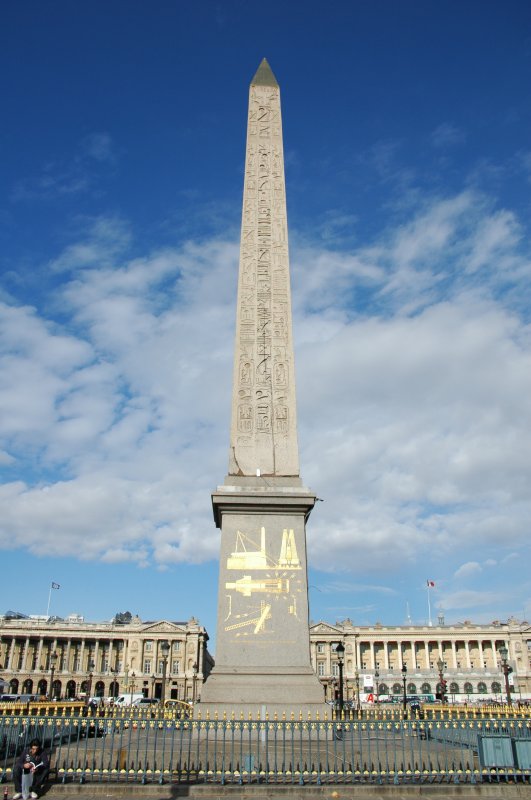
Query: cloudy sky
{"points": [[408, 167]]}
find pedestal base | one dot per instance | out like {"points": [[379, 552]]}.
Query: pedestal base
{"points": [[262, 693]]}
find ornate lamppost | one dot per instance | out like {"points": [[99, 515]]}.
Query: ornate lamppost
{"points": [[442, 682], [506, 672], [165, 649], [340, 652], [404, 678], [53, 662], [89, 686], [194, 681], [132, 685], [376, 680], [357, 680]]}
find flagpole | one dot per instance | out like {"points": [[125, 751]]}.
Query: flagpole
{"points": [[49, 600], [429, 606]]}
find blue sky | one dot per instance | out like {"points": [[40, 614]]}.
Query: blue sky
{"points": [[408, 167]]}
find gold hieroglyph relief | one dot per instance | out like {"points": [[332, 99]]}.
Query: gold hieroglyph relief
{"points": [[281, 583]]}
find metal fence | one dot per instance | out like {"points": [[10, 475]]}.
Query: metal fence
{"points": [[373, 751]]}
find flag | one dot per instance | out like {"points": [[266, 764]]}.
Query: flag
{"points": [[430, 583], [55, 585]]}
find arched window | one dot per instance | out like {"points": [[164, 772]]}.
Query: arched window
{"points": [[454, 688], [383, 688], [56, 690], [397, 689], [482, 688], [70, 690], [412, 688], [425, 688], [42, 688], [114, 689], [469, 689], [496, 687], [99, 689], [13, 685], [27, 686]]}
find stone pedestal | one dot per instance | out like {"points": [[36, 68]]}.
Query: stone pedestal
{"points": [[263, 645]]}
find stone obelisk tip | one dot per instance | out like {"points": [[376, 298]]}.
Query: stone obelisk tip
{"points": [[264, 75]]}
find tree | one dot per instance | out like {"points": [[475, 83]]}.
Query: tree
{"points": [[122, 617]]}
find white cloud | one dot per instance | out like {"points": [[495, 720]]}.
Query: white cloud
{"points": [[413, 387], [467, 570]]}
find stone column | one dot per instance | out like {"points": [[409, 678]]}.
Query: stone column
{"points": [[454, 655], [467, 653]]}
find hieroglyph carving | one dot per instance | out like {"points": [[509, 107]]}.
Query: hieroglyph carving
{"points": [[263, 434]]}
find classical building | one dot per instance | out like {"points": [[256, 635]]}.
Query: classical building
{"points": [[103, 659], [470, 655], [108, 659]]}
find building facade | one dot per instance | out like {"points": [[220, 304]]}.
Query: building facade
{"points": [[470, 655], [73, 658], [107, 659]]}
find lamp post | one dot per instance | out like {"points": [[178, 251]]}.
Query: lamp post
{"points": [[194, 681], [340, 652], [404, 678], [91, 675], [358, 703], [165, 649], [376, 677], [442, 682], [53, 662], [506, 671], [132, 685]]}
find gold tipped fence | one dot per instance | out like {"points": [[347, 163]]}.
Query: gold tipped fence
{"points": [[469, 746]]}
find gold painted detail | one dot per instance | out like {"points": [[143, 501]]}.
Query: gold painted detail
{"points": [[257, 558], [247, 585]]}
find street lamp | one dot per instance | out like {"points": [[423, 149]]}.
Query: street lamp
{"points": [[132, 686], [165, 649], [442, 682], [506, 672], [194, 679], [91, 675], [404, 678], [53, 662], [340, 652], [376, 677]]}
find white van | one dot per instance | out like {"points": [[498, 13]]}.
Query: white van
{"points": [[128, 699]]}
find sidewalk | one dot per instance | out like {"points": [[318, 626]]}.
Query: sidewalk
{"points": [[100, 791]]}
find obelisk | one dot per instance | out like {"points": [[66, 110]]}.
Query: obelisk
{"points": [[263, 649]]}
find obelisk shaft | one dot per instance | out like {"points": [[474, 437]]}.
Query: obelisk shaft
{"points": [[263, 644], [264, 417]]}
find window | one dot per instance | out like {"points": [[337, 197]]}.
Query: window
{"points": [[320, 648], [496, 687], [175, 667], [321, 669], [397, 689], [454, 688], [147, 666], [482, 688], [335, 669], [425, 688], [176, 646], [148, 645]]}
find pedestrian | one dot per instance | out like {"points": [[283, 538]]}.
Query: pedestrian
{"points": [[30, 771]]}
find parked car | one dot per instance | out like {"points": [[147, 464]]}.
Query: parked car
{"points": [[146, 701]]}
